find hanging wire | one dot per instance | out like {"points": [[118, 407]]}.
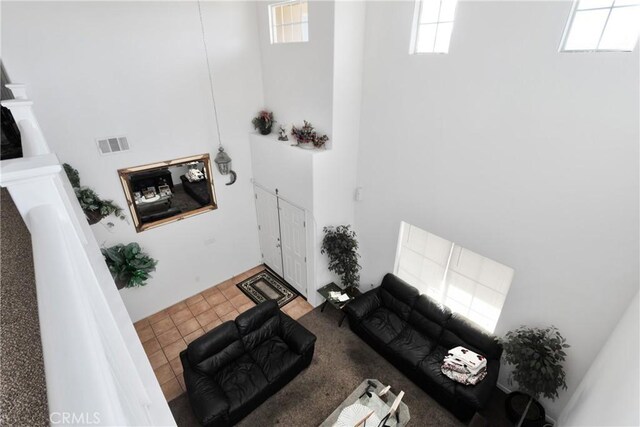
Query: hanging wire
{"points": [[206, 54]]}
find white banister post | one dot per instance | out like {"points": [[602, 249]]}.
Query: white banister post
{"points": [[33, 141]]}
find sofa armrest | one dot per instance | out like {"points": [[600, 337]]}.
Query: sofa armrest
{"points": [[362, 305], [209, 403], [297, 337]]}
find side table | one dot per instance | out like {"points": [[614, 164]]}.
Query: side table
{"points": [[338, 305]]}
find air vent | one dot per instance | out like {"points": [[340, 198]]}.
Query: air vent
{"points": [[113, 144]]}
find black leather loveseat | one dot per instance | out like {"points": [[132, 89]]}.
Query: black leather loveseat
{"points": [[235, 367], [414, 333]]}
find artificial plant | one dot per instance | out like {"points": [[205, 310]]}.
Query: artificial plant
{"points": [[129, 265], [537, 355], [307, 135], [93, 206], [263, 122], [341, 246]]}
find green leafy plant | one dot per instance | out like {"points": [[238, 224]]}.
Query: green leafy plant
{"points": [[129, 266], [537, 355], [307, 135], [263, 122], [341, 247], [93, 206]]}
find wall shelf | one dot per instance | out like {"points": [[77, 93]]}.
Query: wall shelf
{"points": [[272, 138]]}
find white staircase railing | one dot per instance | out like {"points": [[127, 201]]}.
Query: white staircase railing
{"points": [[96, 369]]}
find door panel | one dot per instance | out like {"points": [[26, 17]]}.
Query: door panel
{"points": [[294, 245], [269, 229]]}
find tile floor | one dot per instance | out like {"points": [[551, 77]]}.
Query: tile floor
{"points": [[166, 333]]}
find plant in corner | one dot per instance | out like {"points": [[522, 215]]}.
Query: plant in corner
{"points": [[93, 206], [129, 266], [307, 135], [341, 247], [263, 122], [537, 355]]}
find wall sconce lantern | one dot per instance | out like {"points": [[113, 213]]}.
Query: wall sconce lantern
{"points": [[223, 163]]}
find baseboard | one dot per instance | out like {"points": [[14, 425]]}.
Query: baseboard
{"points": [[507, 390]]}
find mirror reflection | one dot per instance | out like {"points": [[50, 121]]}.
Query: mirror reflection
{"points": [[164, 192]]}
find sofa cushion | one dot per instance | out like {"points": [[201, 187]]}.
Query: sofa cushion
{"points": [[411, 346], [397, 295], [429, 317], [269, 329], [431, 366], [478, 395], [383, 324], [211, 352], [461, 331], [274, 358], [242, 381], [253, 319]]}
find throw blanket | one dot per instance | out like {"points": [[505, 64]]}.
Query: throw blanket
{"points": [[464, 366], [465, 379]]}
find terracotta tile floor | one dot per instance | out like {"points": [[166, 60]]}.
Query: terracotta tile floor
{"points": [[166, 333]]}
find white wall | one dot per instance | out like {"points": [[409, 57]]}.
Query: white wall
{"points": [[138, 69], [298, 77], [335, 171], [608, 395], [277, 165], [513, 150]]}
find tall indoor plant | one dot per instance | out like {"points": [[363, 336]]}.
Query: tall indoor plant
{"points": [[129, 265], [537, 356], [341, 247]]}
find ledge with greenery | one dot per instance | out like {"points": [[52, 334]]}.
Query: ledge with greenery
{"points": [[95, 209]]}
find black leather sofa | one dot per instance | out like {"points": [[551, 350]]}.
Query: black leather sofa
{"points": [[235, 367], [414, 333]]}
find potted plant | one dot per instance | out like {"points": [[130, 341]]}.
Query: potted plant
{"points": [[263, 122], [93, 206], [129, 266], [341, 247], [537, 355], [307, 135]]}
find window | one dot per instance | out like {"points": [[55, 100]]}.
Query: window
{"points": [[289, 22], [602, 25], [433, 24], [464, 281]]}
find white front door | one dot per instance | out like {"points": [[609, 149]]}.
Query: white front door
{"points": [[269, 229], [294, 245]]}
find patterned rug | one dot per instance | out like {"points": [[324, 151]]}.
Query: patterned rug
{"points": [[265, 286]]}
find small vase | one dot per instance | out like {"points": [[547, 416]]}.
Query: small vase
{"points": [[265, 130], [93, 217], [121, 283]]}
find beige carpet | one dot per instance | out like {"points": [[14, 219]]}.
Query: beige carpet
{"points": [[341, 361], [23, 398]]}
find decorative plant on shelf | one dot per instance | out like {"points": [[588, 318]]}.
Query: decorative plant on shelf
{"points": [[341, 247], [537, 355], [263, 122], [129, 266], [307, 135], [93, 206]]}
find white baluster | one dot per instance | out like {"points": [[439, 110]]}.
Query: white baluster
{"points": [[33, 141]]}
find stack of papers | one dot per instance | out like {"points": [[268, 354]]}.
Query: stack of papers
{"points": [[338, 296]]}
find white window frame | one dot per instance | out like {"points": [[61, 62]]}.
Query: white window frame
{"points": [[415, 30], [567, 29], [450, 267], [273, 27]]}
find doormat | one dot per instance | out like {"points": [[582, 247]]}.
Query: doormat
{"points": [[265, 286]]}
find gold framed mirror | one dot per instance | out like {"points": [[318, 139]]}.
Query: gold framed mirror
{"points": [[164, 192]]}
